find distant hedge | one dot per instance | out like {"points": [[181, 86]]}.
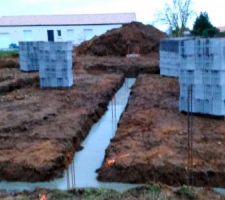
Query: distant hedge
{"points": [[9, 53]]}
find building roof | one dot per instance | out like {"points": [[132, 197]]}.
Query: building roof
{"points": [[222, 28], [78, 19]]}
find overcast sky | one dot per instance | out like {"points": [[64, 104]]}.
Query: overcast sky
{"points": [[144, 9]]}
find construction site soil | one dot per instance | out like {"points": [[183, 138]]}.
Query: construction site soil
{"points": [[40, 129], [151, 143], [131, 67], [11, 78], [130, 38]]}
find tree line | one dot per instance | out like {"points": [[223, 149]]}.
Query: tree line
{"points": [[177, 15]]}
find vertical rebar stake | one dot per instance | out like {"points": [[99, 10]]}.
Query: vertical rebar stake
{"points": [[190, 134], [72, 175], [68, 178], [115, 111]]}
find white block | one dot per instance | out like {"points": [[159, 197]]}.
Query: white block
{"points": [[218, 108]]}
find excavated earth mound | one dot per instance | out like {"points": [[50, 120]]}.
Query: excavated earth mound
{"points": [[130, 38]]}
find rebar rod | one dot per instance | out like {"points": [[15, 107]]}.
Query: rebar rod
{"points": [[190, 135]]}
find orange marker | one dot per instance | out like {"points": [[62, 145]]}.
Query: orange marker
{"points": [[110, 162], [43, 197]]}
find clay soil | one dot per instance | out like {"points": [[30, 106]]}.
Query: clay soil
{"points": [[151, 141], [129, 66], [9, 62], [11, 78], [131, 38], [40, 129]]}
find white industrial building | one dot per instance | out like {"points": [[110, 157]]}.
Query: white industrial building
{"points": [[222, 28], [75, 28]]}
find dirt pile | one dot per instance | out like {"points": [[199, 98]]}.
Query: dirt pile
{"points": [[130, 38]]}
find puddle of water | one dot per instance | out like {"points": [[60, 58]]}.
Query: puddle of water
{"points": [[90, 158], [220, 190], [82, 171]]}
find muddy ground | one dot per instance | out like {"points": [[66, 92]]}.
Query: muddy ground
{"points": [[9, 62], [150, 192], [129, 66], [41, 128], [11, 78], [151, 141]]}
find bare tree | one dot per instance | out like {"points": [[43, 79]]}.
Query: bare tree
{"points": [[176, 14]]}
